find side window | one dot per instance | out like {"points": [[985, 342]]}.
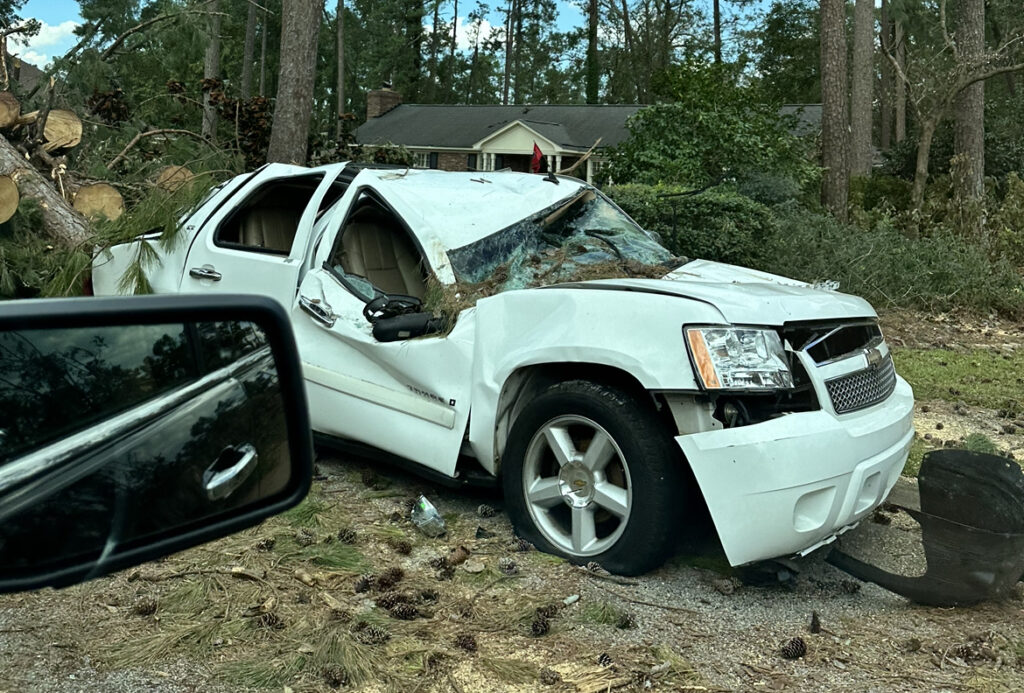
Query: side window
{"points": [[268, 219], [374, 247], [53, 384], [223, 343]]}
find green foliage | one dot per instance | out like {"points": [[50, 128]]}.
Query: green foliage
{"points": [[979, 442], [707, 126], [714, 225], [978, 377], [880, 191], [787, 46], [941, 271]]}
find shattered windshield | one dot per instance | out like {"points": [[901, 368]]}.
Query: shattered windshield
{"points": [[582, 237]]}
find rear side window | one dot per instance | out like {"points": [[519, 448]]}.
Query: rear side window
{"points": [[223, 343], [268, 220], [56, 382]]}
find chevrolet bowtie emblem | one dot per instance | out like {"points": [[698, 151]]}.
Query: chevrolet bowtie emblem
{"points": [[874, 356]]}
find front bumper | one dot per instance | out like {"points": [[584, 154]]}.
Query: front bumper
{"points": [[789, 485]]}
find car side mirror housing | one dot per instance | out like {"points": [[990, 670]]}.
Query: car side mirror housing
{"points": [[135, 427]]}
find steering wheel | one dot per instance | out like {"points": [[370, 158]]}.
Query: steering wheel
{"points": [[389, 306]]}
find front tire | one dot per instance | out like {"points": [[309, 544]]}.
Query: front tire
{"points": [[590, 473]]}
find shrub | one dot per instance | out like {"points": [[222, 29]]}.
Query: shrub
{"points": [[942, 271], [718, 225]]}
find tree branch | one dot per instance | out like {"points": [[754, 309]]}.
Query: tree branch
{"points": [[150, 133], [982, 76], [108, 52], [946, 38]]}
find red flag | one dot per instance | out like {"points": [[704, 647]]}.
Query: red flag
{"points": [[537, 156]]}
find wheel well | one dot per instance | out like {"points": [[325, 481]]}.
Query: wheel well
{"points": [[526, 382]]}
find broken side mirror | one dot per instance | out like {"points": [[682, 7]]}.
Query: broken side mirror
{"points": [[131, 428], [971, 512]]}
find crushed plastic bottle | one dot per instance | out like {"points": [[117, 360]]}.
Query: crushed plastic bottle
{"points": [[427, 519]]}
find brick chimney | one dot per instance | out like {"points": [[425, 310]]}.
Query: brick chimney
{"points": [[380, 101]]}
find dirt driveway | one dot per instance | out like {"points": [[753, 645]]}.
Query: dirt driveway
{"points": [[344, 593]]}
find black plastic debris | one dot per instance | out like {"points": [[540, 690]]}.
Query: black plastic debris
{"points": [[971, 513]]}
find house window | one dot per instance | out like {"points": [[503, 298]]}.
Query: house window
{"points": [[422, 160], [471, 162]]}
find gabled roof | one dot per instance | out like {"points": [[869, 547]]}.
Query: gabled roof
{"points": [[460, 127]]}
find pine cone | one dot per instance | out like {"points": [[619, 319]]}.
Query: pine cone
{"points": [[597, 569], [604, 660], [372, 635], [389, 578], [625, 621], [521, 545], [445, 573], [405, 612], [144, 606], [409, 504], [266, 544], [482, 533], [368, 477], [305, 537], [507, 566], [438, 562], [547, 611], [270, 621], [402, 547], [962, 651], [429, 596], [335, 676], [549, 677], [795, 648], [347, 535], [363, 583], [458, 555], [815, 623], [466, 641], [391, 599], [540, 626], [485, 511]]}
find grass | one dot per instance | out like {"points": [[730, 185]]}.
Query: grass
{"points": [[977, 377]]}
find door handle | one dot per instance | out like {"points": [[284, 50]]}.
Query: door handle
{"points": [[318, 310], [232, 468], [206, 272]]}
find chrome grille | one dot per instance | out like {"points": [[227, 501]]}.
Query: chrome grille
{"points": [[863, 388]]}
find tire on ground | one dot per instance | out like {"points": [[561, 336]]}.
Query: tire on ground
{"points": [[656, 474]]}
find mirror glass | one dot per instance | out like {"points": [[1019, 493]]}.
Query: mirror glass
{"points": [[115, 437]]}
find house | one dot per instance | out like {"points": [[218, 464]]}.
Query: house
{"points": [[494, 137]]}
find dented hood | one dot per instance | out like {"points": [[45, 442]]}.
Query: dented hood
{"points": [[744, 296]]}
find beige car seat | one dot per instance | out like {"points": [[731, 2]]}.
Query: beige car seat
{"points": [[272, 228], [377, 248]]}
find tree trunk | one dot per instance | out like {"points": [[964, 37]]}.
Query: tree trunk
{"points": [[300, 26], [924, 150], [263, 55], [211, 70], [455, 30], [717, 20], [341, 67], [835, 115], [885, 91], [862, 78], [969, 131], [60, 221], [508, 50], [593, 70], [899, 97], [627, 29], [248, 53]]}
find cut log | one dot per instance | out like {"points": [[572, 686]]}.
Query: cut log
{"points": [[9, 198], [63, 128], [99, 201], [61, 222], [10, 109], [173, 178]]}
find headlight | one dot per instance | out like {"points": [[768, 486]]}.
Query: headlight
{"points": [[738, 358]]}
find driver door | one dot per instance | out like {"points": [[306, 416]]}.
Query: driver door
{"points": [[410, 397]]}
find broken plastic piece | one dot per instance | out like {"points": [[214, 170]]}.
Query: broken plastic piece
{"points": [[427, 519], [971, 512]]}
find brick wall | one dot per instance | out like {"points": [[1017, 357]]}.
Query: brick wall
{"points": [[452, 161]]}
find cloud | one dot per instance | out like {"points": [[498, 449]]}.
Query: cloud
{"points": [[466, 32], [52, 40]]}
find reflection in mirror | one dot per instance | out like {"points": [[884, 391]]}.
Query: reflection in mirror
{"points": [[112, 437]]}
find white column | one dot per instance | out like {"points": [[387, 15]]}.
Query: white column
{"points": [[558, 162], [590, 170], [551, 163]]}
